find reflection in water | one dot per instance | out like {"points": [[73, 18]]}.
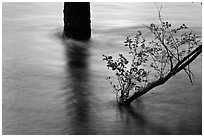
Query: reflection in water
{"points": [[85, 115], [144, 125], [78, 87]]}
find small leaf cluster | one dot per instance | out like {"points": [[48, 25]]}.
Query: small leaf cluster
{"points": [[170, 46], [130, 77]]}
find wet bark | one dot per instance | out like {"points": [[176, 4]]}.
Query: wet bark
{"points": [[77, 23]]}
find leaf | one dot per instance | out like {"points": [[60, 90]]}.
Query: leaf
{"points": [[126, 62], [143, 45], [138, 79], [110, 57]]}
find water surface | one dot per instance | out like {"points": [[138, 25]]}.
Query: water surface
{"points": [[51, 86]]}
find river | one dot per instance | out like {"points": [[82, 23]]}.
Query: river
{"points": [[56, 87]]}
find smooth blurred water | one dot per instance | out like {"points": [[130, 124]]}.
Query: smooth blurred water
{"points": [[53, 86]]}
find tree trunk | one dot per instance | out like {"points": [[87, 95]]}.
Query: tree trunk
{"points": [[77, 23]]}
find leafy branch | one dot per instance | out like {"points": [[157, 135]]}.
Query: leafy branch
{"points": [[166, 55]]}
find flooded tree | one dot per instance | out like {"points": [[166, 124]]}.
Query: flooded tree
{"points": [[171, 51], [77, 24]]}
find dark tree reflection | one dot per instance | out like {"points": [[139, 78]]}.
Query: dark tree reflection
{"points": [[143, 124], [78, 87]]}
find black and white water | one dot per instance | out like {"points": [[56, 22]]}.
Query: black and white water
{"points": [[51, 86]]}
